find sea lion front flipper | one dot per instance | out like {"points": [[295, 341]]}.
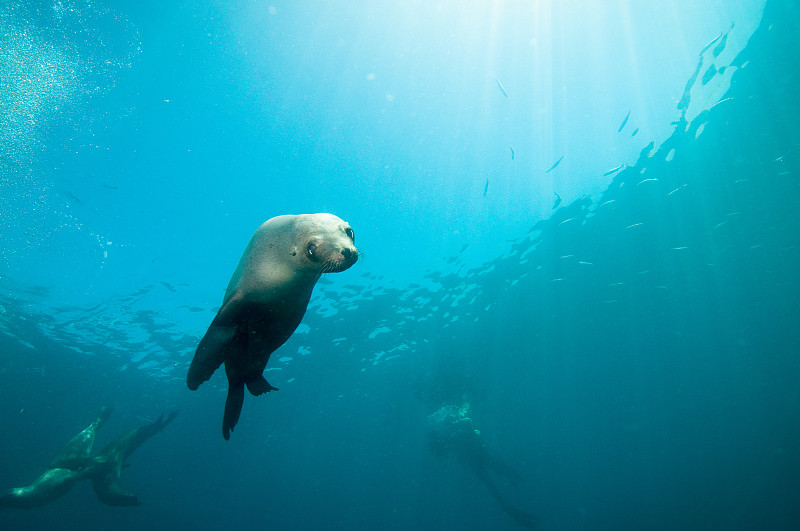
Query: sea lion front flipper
{"points": [[212, 348], [259, 385], [233, 407], [110, 494]]}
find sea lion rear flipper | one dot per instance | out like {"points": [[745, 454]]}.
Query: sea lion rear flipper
{"points": [[233, 407], [169, 419], [212, 348], [259, 385]]}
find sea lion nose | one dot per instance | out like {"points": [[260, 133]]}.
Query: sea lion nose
{"points": [[350, 254]]}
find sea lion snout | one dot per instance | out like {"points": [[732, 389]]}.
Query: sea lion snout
{"points": [[348, 257], [350, 254]]}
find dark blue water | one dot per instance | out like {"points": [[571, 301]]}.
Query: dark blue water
{"points": [[634, 354]]}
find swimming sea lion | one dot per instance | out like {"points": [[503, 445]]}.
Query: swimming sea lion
{"points": [[452, 431], [68, 468], [74, 463], [266, 299]]}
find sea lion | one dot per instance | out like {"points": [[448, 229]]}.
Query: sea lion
{"points": [[266, 299], [68, 468], [452, 432], [74, 463]]}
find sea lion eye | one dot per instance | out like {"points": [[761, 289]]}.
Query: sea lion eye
{"points": [[312, 248], [350, 234]]}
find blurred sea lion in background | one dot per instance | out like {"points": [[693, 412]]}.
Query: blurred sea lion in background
{"points": [[452, 432], [74, 463]]}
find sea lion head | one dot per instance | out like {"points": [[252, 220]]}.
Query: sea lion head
{"points": [[325, 243]]}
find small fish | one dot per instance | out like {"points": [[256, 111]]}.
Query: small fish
{"points": [[73, 197], [676, 189], [607, 202], [557, 201], [566, 221], [647, 181], [720, 101], [502, 88], [551, 168], [711, 43], [486, 188], [609, 172], [634, 225], [512, 152], [624, 121], [635, 131]]}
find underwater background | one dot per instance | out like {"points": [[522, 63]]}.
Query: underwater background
{"points": [[632, 351]]}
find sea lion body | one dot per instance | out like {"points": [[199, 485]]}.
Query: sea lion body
{"points": [[266, 299]]}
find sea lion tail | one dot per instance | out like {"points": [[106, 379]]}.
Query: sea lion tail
{"points": [[233, 407]]}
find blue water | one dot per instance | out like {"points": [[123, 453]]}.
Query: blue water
{"points": [[633, 353]]}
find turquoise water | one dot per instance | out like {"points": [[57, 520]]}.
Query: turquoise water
{"points": [[631, 353]]}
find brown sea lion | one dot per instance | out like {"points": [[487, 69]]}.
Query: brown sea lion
{"points": [[266, 299]]}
